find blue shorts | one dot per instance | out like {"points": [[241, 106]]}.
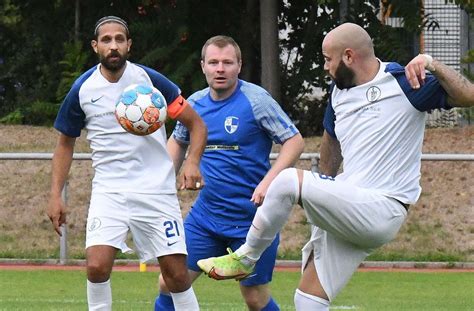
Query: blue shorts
{"points": [[205, 239]]}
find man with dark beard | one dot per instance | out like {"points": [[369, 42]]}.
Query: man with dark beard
{"points": [[134, 186], [374, 122]]}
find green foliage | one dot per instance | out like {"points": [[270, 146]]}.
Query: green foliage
{"points": [[306, 23], [73, 65], [9, 14], [467, 114], [304, 81], [30, 43], [40, 113], [168, 36], [468, 59], [467, 5], [14, 117]]}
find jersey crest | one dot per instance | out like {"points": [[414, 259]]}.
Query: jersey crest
{"points": [[373, 93], [231, 124]]}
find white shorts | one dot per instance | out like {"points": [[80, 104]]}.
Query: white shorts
{"points": [[348, 224], [154, 220]]}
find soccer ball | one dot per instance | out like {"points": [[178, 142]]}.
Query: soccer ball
{"points": [[141, 109]]}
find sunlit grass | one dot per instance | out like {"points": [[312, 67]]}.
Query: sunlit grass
{"points": [[65, 290]]}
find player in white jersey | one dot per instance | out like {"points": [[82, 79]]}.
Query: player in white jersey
{"points": [[134, 182], [374, 124]]}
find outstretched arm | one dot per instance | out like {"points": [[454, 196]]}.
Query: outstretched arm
{"points": [[459, 89], [61, 164]]}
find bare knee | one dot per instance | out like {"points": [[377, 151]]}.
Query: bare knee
{"points": [[100, 259], [98, 272], [174, 272], [177, 281], [256, 297]]}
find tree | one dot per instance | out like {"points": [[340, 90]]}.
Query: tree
{"points": [[39, 59], [31, 46], [269, 47]]}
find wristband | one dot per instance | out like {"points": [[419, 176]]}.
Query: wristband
{"points": [[429, 62]]}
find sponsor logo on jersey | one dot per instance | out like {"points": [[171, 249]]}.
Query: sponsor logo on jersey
{"points": [[104, 114], [231, 124], [373, 93], [222, 147]]}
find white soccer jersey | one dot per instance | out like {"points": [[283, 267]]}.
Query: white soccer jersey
{"points": [[123, 162], [380, 126]]}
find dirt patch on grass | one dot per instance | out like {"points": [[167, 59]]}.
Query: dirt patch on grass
{"points": [[440, 226]]}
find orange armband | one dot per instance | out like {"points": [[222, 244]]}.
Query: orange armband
{"points": [[176, 107]]}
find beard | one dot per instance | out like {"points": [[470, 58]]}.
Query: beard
{"points": [[113, 65], [344, 76]]}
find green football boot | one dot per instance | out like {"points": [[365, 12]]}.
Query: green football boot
{"points": [[226, 267]]}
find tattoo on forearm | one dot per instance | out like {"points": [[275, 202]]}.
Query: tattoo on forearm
{"points": [[458, 87]]}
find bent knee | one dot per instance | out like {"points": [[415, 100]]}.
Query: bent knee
{"points": [[97, 273], [176, 281], [289, 181]]}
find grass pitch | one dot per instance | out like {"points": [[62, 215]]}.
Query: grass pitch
{"points": [[65, 290]]}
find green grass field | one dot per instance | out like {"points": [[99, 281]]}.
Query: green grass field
{"points": [[65, 290]]}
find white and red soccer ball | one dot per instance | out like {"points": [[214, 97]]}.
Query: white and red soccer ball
{"points": [[141, 109]]}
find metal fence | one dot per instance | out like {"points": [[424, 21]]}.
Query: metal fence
{"points": [[448, 43], [313, 157]]}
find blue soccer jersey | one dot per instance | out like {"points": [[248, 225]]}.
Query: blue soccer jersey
{"points": [[380, 126], [241, 130]]}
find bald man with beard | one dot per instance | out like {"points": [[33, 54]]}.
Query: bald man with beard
{"points": [[374, 125]]}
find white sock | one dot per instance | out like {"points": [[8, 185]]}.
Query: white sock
{"points": [[305, 301], [270, 218], [185, 301], [99, 296]]}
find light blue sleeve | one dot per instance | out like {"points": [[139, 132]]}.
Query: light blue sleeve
{"points": [[269, 114]]}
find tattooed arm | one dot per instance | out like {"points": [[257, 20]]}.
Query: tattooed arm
{"points": [[459, 89]]}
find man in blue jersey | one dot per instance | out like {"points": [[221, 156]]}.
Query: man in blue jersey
{"points": [[134, 181], [374, 124], [243, 121]]}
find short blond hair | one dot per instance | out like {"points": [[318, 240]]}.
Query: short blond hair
{"points": [[221, 41]]}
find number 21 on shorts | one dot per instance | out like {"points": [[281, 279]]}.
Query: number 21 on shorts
{"points": [[171, 228]]}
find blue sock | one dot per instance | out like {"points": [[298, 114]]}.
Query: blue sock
{"points": [[164, 302], [271, 306]]}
